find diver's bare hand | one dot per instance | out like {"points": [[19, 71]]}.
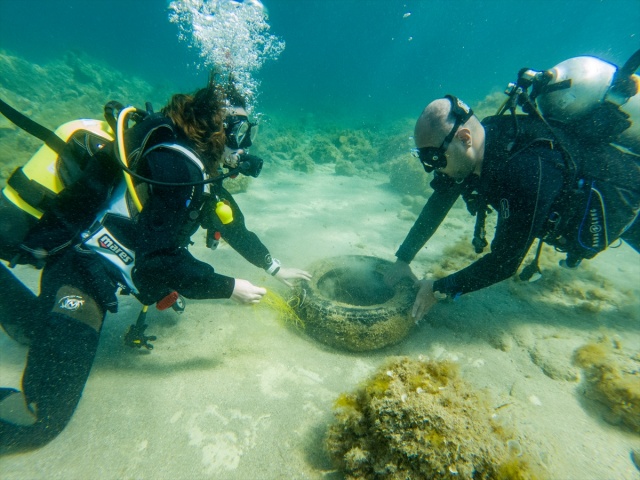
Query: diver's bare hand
{"points": [[425, 299], [286, 275], [245, 292]]}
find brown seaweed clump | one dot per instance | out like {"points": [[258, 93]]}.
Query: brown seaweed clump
{"points": [[418, 419], [238, 184], [612, 379]]}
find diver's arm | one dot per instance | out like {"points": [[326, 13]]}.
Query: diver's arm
{"points": [[247, 243], [432, 215], [530, 187], [501, 263], [162, 262], [178, 270], [236, 234]]}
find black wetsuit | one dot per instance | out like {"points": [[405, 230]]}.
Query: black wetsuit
{"points": [[163, 262], [78, 287], [522, 186]]}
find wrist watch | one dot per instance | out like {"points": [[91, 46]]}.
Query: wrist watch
{"points": [[274, 267]]}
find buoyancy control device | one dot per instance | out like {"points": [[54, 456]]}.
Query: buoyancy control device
{"points": [[590, 109], [56, 164]]}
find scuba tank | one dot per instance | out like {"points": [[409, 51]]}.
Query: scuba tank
{"points": [[596, 95], [591, 110]]}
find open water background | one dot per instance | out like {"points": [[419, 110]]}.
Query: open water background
{"points": [[342, 57]]}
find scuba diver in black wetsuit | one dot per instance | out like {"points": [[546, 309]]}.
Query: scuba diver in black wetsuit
{"points": [[547, 180], [136, 241]]}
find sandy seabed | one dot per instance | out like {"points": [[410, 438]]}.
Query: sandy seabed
{"points": [[229, 392]]}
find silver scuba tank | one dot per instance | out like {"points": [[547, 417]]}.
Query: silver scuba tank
{"points": [[579, 85]]}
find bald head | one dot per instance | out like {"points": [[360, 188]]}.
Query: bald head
{"points": [[433, 124], [466, 151], [436, 121]]}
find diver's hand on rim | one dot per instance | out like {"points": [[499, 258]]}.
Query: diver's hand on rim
{"points": [[285, 275], [246, 292], [425, 299], [397, 272]]}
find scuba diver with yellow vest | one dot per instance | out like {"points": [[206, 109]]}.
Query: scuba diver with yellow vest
{"points": [[566, 172], [105, 231]]}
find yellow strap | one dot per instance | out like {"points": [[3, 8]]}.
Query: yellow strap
{"points": [[123, 155]]}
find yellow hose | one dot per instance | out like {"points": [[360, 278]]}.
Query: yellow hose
{"points": [[123, 155]]}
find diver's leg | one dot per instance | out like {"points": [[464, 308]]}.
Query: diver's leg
{"points": [[19, 308], [58, 365]]}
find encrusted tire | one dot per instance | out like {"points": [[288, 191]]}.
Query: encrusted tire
{"points": [[348, 306]]}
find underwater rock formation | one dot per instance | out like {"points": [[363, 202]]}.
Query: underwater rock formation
{"points": [[356, 145], [613, 379], [236, 185], [303, 163], [346, 169], [407, 176], [418, 419], [321, 150]]}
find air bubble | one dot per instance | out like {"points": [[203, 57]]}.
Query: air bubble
{"points": [[232, 37]]}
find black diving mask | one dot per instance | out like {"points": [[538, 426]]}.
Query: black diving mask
{"points": [[239, 131], [434, 158]]}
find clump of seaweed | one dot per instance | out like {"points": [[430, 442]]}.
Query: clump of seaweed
{"points": [[613, 380], [418, 419], [286, 312], [407, 178], [585, 289], [455, 257], [238, 184]]}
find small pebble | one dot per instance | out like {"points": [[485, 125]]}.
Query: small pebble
{"points": [[535, 400], [514, 448]]}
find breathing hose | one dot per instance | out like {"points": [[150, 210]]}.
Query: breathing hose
{"points": [[122, 154]]}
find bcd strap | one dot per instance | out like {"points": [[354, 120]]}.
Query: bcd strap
{"points": [[54, 142], [29, 190]]}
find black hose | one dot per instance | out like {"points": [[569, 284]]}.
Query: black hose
{"points": [[49, 137]]}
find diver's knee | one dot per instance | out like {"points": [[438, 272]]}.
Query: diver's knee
{"points": [[77, 305], [14, 408]]}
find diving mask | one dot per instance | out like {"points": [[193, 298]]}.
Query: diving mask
{"points": [[239, 131]]}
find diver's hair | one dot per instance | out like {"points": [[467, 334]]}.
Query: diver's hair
{"points": [[234, 97], [201, 117]]}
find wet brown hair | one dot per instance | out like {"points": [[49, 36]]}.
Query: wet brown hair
{"points": [[201, 117]]}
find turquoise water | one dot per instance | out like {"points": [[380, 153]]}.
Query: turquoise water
{"points": [[343, 56]]}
